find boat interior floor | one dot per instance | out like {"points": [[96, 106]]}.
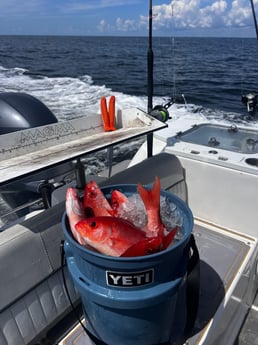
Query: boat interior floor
{"points": [[222, 256]]}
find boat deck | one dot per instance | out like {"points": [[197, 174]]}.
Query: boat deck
{"points": [[249, 331], [224, 257]]}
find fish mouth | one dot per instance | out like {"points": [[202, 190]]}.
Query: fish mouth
{"points": [[76, 207], [92, 193]]}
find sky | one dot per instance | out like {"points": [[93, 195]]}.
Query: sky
{"points": [[127, 17]]}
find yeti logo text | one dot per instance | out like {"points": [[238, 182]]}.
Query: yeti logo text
{"points": [[122, 279]]}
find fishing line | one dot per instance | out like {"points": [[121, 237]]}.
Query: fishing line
{"points": [[242, 68], [165, 53], [173, 45]]}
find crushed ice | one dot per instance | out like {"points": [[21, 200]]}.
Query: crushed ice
{"points": [[134, 211]]}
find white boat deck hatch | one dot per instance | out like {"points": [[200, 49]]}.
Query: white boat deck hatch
{"points": [[231, 138]]}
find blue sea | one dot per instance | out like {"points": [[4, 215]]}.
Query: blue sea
{"points": [[71, 74]]}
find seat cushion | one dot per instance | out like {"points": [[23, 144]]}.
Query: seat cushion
{"points": [[164, 165]]}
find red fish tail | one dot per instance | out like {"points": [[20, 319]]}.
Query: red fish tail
{"points": [[169, 238], [150, 198]]}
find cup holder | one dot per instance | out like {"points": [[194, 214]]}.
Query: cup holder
{"points": [[252, 161]]}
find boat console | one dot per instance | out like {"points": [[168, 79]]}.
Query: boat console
{"points": [[221, 165], [230, 138]]}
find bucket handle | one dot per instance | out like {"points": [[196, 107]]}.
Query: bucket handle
{"points": [[192, 286]]}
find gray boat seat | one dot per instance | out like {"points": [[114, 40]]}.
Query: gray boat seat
{"points": [[164, 165], [32, 295]]}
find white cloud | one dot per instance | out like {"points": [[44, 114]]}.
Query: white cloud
{"points": [[176, 14], [102, 26], [195, 14], [238, 15], [126, 25]]}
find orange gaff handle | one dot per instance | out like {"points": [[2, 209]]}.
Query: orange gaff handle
{"points": [[104, 113], [112, 112], [108, 115]]}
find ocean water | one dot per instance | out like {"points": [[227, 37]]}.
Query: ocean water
{"points": [[71, 74]]}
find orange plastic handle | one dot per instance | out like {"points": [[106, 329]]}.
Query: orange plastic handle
{"points": [[112, 111], [104, 113]]}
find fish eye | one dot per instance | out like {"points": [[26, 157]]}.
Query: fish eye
{"points": [[149, 251], [93, 224]]}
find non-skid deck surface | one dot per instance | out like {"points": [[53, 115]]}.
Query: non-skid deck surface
{"points": [[249, 331], [220, 259]]}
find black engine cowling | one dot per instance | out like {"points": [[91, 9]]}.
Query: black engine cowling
{"points": [[19, 111], [22, 111]]}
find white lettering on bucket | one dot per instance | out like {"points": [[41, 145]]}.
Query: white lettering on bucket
{"points": [[129, 279]]}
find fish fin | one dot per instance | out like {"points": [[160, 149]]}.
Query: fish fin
{"points": [[169, 237], [112, 213], [150, 198], [144, 247]]}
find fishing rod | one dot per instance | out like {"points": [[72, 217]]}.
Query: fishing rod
{"points": [[150, 58], [254, 16], [159, 112], [251, 99]]}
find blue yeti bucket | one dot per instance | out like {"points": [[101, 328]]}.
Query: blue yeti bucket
{"points": [[133, 300]]}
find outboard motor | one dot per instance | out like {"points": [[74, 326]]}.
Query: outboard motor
{"points": [[250, 100], [22, 111], [19, 111]]}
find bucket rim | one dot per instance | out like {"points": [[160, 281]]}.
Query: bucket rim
{"points": [[185, 238]]}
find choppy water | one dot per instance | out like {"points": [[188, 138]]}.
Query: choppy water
{"points": [[70, 74]]}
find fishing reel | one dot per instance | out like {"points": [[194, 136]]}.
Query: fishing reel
{"points": [[250, 100], [160, 112]]}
